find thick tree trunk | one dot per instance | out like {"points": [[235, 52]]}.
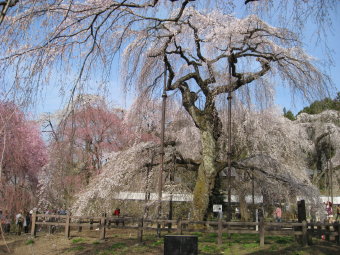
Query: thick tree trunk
{"points": [[206, 175], [243, 205]]}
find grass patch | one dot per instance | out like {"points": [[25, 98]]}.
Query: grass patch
{"points": [[274, 247], [114, 248], [77, 248], [96, 242], [30, 241], [283, 241], [117, 246], [198, 234], [139, 248], [209, 238], [209, 249], [78, 240], [158, 242], [250, 245]]}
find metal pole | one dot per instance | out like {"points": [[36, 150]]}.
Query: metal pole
{"points": [[229, 214], [172, 179], [253, 195], [161, 169], [330, 166]]}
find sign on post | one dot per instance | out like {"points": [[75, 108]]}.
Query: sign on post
{"points": [[217, 208]]}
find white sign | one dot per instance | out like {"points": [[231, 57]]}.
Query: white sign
{"points": [[217, 208]]}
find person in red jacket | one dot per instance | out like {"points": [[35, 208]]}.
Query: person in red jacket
{"points": [[116, 212]]}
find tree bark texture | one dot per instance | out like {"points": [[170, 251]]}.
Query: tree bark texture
{"points": [[206, 175]]}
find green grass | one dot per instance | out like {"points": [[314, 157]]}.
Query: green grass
{"points": [[250, 245], [30, 241], [158, 242], [209, 248], [198, 234], [78, 240], [209, 238], [117, 248], [240, 244], [77, 248]]}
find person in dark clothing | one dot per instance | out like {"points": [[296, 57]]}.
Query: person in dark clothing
{"points": [[6, 222], [28, 222]]}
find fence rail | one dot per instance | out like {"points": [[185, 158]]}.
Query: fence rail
{"points": [[303, 231]]}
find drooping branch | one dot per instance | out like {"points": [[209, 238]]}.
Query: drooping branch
{"points": [[5, 6], [248, 1]]}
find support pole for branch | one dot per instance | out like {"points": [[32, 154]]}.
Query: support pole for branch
{"points": [[229, 157], [330, 168], [33, 224], [172, 179], [67, 225], [161, 169], [229, 144], [253, 194]]}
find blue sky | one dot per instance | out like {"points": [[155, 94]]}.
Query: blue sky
{"points": [[282, 98], [51, 101]]}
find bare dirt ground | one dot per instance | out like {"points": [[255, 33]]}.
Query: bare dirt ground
{"points": [[121, 242], [84, 243]]}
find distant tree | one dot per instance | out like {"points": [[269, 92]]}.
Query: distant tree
{"points": [[337, 99], [79, 143], [288, 114], [22, 156], [326, 104]]}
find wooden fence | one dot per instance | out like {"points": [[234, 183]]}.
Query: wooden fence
{"points": [[302, 231]]}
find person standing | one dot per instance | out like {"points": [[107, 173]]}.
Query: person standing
{"points": [[278, 214], [27, 222], [116, 212], [19, 221], [329, 208], [7, 222]]}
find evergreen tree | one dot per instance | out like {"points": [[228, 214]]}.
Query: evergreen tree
{"points": [[288, 114], [323, 105]]}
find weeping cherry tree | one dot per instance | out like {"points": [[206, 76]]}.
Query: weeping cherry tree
{"points": [[197, 51]]}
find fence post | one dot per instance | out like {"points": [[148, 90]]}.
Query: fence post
{"points": [[261, 230], [220, 228], [304, 233], [179, 227], [336, 226], [67, 225], [310, 233], [319, 228], [91, 224], [328, 230], [33, 227], [140, 230], [102, 226], [80, 228]]}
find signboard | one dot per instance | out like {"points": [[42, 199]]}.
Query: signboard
{"points": [[217, 208]]}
